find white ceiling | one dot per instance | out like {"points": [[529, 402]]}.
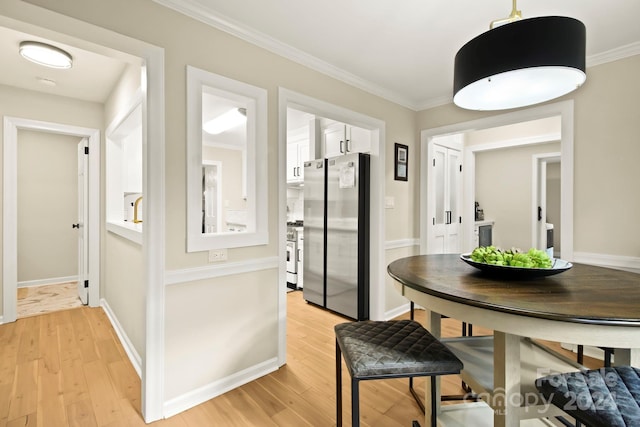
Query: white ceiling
{"points": [[402, 50], [91, 78]]}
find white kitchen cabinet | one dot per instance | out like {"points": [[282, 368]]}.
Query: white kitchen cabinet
{"points": [[339, 138], [297, 154]]}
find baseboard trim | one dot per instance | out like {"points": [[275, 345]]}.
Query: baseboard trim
{"points": [[195, 397], [402, 243], [605, 260], [49, 281], [133, 355], [392, 314]]}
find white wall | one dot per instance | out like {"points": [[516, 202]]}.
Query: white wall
{"points": [[15, 102], [47, 206], [200, 308], [122, 285], [503, 189], [607, 125]]}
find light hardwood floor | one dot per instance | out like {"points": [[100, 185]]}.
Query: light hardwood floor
{"points": [[68, 368], [35, 300]]}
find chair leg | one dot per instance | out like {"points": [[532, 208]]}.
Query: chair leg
{"points": [[607, 356], [338, 385], [434, 408], [580, 356], [415, 395], [355, 403]]}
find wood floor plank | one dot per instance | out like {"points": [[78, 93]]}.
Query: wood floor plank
{"points": [[104, 399], [296, 403], [74, 383], [83, 335], [267, 402], [51, 409], [49, 353], [24, 395], [30, 420], [29, 345], [80, 414], [71, 362], [125, 380]]}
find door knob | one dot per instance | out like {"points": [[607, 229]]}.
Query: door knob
{"points": [[75, 226]]}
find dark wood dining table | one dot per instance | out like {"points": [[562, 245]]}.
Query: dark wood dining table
{"points": [[585, 305]]}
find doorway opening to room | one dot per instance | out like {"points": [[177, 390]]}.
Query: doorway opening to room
{"points": [[52, 188], [51, 232], [313, 129], [510, 150]]}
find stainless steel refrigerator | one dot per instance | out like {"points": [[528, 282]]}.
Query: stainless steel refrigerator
{"points": [[336, 234]]}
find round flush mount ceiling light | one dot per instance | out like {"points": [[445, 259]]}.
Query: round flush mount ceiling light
{"points": [[520, 63], [45, 54]]}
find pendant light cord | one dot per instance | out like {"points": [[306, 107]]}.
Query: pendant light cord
{"points": [[514, 16]]}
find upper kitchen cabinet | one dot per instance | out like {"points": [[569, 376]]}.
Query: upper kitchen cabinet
{"points": [[297, 154], [339, 139]]}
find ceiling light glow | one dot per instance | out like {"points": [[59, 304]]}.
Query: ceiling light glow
{"points": [[45, 54], [226, 121]]}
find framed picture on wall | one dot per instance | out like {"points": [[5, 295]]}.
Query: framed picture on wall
{"points": [[401, 168]]}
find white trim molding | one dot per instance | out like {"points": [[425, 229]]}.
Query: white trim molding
{"points": [[175, 277], [48, 281], [131, 351], [564, 109], [604, 260], [195, 397], [10, 207], [401, 244]]}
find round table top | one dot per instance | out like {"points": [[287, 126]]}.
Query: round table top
{"points": [[582, 294]]}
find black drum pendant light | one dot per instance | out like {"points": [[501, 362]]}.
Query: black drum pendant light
{"points": [[520, 63]]}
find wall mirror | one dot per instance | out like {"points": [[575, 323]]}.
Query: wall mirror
{"points": [[226, 162]]}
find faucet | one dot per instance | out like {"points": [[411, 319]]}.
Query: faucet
{"points": [[136, 207]]}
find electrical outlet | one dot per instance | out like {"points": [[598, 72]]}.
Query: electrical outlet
{"points": [[389, 202], [218, 255]]}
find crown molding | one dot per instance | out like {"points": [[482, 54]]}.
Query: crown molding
{"points": [[614, 54], [197, 11], [205, 15]]}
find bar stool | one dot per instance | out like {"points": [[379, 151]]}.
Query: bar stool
{"points": [[606, 397], [389, 349]]}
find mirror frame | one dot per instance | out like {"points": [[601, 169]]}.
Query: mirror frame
{"points": [[255, 179]]}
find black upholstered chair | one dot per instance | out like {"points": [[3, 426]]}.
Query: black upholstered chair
{"points": [[389, 349], [606, 397]]}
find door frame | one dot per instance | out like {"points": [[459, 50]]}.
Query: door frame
{"points": [[456, 142], [377, 269], [539, 194], [10, 207], [563, 109]]}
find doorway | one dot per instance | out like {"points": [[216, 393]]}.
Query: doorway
{"points": [[10, 206], [562, 110], [52, 242], [290, 99], [546, 223]]}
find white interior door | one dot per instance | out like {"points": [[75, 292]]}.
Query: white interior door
{"points": [[541, 207], [81, 225], [446, 188], [211, 197]]}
